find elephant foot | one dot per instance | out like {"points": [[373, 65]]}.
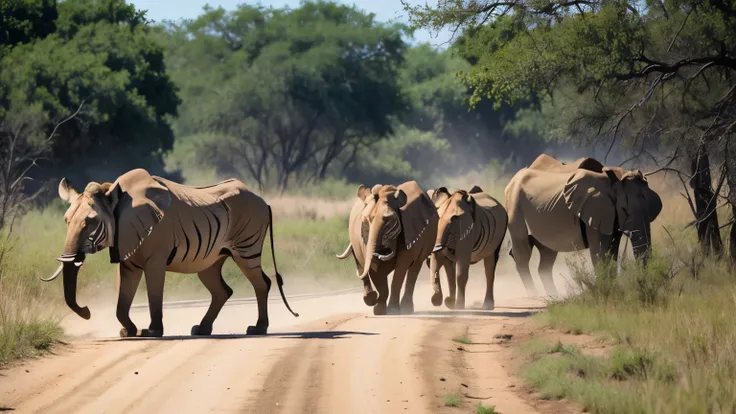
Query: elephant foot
{"points": [[201, 330], [370, 298], [128, 332], [379, 309], [459, 304], [393, 310], [407, 308], [257, 330], [489, 305], [450, 302], [437, 299], [152, 333]]}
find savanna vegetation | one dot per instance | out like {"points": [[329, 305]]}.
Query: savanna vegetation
{"points": [[305, 104], [652, 81], [301, 104]]}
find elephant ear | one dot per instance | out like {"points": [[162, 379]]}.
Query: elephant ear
{"points": [[139, 203], [589, 195], [653, 202], [415, 211], [475, 190]]}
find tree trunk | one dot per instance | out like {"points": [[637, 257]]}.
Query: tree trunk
{"points": [[705, 203], [731, 180]]}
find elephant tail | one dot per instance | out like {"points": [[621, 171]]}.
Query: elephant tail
{"points": [[279, 279]]}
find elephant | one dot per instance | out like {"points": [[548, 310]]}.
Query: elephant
{"points": [[391, 228], [471, 228], [152, 225], [560, 207]]}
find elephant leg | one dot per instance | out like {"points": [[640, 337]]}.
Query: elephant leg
{"points": [[615, 244], [262, 285], [128, 280], [546, 263], [451, 283], [600, 246], [396, 283], [489, 264], [155, 276], [407, 301], [380, 280], [434, 273], [463, 269], [522, 249], [212, 279]]}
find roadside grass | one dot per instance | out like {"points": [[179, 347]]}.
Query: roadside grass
{"points": [[674, 333], [452, 400], [27, 326], [463, 339], [485, 409]]}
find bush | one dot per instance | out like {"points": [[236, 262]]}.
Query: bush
{"points": [[674, 337], [28, 326]]}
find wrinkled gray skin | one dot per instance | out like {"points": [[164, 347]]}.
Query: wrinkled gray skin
{"points": [[560, 207], [389, 234]]}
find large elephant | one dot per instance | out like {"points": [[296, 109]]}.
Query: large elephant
{"points": [[569, 207], [152, 225], [471, 228], [391, 229]]}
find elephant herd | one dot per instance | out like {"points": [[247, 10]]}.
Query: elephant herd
{"points": [[151, 225], [550, 205]]}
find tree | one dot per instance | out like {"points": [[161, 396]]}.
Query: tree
{"points": [[646, 74], [293, 89], [24, 20], [21, 147], [101, 52]]}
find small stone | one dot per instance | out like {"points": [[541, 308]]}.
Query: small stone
{"points": [[136, 373], [28, 371], [442, 379]]}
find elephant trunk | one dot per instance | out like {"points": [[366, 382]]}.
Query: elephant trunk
{"points": [[443, 235], [70, 273], [370, 249], [434, 274], [641, 242]]}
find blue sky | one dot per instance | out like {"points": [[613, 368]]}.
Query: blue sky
{"points": [[385, 10]]}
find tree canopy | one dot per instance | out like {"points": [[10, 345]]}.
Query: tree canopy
{"points": [[655, 78]]}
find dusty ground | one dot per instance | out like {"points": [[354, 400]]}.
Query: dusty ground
{"points": [[336, 358]]}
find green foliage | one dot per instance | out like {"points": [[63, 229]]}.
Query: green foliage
{"points": [[409, 154], [674, 349], [28, 327], [101, 53], [292, 89], [486, 409], [24, 20], [452, 400]]}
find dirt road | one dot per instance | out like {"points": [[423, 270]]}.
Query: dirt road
{"points": [[337, 357]]}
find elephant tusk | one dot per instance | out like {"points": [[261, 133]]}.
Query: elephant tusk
{"points": [[437, 248], [346, 253], [78, 264], [55, 275], [385, 257]]}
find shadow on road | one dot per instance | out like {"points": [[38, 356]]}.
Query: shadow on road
{"points": [[466, 312], [283, 335]]}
